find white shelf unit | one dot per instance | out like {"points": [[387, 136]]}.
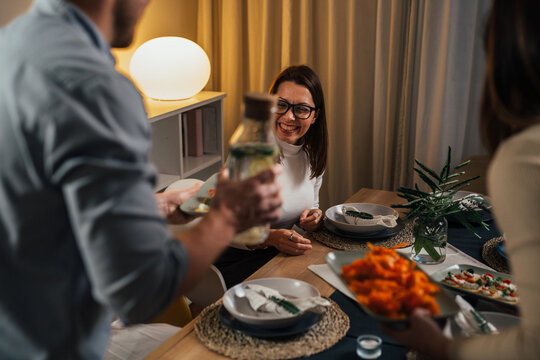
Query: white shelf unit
{"points": [[167, 138]]}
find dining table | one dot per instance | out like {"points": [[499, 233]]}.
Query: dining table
{"points": [[185, 344]]}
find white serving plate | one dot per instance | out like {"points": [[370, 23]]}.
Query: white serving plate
{"points": [[190, 205], [336, 217], [240, 309], [462, 194], [337, 259], [183, 184], [441, 274]]}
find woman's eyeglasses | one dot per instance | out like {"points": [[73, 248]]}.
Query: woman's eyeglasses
{"points": [[300, 111]]}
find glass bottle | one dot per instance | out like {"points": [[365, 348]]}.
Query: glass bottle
{"points": [[252, 149]]}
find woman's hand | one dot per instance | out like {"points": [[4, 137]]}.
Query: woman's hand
{"points": [[168, 203], [310, 219], [288, 241], [421, 328]]}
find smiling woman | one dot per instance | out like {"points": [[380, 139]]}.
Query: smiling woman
{"points": [[300, 130]]}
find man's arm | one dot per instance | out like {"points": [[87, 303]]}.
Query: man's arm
{"points": [[236, 206]]}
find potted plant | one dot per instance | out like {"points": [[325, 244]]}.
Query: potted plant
{"points": [[429, 210]]}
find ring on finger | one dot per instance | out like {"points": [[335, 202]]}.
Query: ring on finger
{"points": [[291, 236]]}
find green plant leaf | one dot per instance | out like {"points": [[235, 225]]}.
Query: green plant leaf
{"points": [[415, 192], [428, 170], [413, 202], [462, 183], [418, 245], [427, 180], [466, 224], [446, 168], [440, 201], [445, 184], [444, 172], [455, 174], [428, 246], [459, 166]]}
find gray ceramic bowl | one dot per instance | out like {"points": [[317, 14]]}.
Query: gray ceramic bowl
{"points": [[336, 217], [242, 311]]}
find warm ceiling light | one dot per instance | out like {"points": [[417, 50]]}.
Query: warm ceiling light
{"points": [[170, 68]]}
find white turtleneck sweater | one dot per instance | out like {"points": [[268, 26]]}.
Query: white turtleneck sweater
{"points": [[298, 191]]}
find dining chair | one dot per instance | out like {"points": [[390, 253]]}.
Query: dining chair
{"points": [[209, 289], [178, 313]]}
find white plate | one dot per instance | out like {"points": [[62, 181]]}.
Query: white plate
{"points": [[461, 194], [183, 184], [290, 288], [190, 205], [457, 268], [336, 217]]}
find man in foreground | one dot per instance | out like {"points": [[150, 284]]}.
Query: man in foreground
{"points": [[81, 236]]}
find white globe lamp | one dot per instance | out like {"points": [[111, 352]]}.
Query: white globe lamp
{"points": [[170, 68]]}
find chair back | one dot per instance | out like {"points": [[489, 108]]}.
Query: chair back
{"points": [[209, 289]]}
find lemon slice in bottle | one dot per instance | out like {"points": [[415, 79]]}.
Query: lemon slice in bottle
{"points": [[259, 164]]}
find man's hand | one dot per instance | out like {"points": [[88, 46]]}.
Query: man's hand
{"points": [[421, 328], [250, 202], [169, 201], [236, 206]]}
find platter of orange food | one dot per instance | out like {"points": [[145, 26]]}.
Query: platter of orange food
{"points": [[388, 286]]}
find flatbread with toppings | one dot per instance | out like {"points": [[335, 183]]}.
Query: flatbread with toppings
{"points": [[485, 284]]}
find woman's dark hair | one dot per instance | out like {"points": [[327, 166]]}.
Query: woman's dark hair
{"points": [[511, 95], [316, 138]]}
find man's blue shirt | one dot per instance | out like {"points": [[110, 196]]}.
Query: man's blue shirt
{"points": [[81, 237]]}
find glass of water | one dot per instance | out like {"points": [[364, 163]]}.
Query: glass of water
{"points": [[368, 346]]}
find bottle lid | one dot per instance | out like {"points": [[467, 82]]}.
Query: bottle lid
{"points": [[259, 106]]}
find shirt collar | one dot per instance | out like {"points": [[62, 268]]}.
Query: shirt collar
{"points": [[73, 15], [289, 149]]}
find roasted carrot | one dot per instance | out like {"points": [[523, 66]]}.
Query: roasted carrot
{"points": [[389, 284]]}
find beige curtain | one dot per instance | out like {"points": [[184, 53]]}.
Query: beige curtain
{"points": [[428, 78], [401, 77]]}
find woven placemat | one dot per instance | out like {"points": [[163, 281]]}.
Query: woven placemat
{"points": [[492, 257], [219, 338], [328, 238]]}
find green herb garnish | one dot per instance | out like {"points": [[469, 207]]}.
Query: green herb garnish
{"points": [[287, 305], [359, 214]]}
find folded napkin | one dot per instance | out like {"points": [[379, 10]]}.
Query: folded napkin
{"points": [[259, 298], [384, 220], [470, 321], [473, 202]]}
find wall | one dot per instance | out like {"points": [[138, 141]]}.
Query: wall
{"points": [[161, 18], [9, 9]]}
